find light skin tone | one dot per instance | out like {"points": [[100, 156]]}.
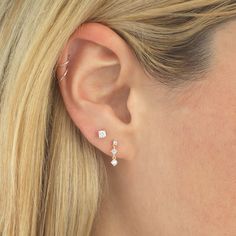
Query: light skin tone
{"points": [[176, 147]]}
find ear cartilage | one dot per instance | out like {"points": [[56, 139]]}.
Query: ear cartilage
{"points": [[114, 151], [102, 134]]}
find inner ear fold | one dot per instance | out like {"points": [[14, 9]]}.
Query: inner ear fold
{"points": [[97, 71], [97, 68]]}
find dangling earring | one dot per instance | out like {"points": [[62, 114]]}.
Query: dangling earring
{"points": [[114, 151], [102, 134]]}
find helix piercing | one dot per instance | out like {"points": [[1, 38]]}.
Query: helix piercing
{"points": [[64, 64], [114, 151], [64, 76]]}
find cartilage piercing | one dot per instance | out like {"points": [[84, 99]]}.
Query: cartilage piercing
{"points": [[66, 71], [64, 64], [64, 76]]}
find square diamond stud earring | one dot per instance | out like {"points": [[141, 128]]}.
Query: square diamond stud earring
{"points": [[102, 134]]}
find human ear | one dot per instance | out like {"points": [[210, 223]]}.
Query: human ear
{"points": [[96, 90]]}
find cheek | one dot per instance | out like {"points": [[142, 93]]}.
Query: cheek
{"points": [[211, 136], [204, 150]]}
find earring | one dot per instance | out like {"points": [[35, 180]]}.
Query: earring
{"points": [[114, 151], [66, 71], [102, 133]]}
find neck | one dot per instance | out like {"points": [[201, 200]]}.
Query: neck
{"points": [[121, 211]]}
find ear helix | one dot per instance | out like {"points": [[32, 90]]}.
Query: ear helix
{"points": [[102, 134]]}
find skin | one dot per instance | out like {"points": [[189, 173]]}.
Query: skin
{"points": [[177, 147]]}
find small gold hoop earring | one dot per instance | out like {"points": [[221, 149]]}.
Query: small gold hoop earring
{"points": [[64, 76], [65, 73], [64, 64]]}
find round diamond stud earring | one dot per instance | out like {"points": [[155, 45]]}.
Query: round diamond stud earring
{"points": [[114, 151]]}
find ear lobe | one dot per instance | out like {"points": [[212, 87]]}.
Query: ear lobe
{"points": [[97, 87]]}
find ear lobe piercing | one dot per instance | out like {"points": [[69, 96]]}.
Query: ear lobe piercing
{"points": [[66, 71], [114, 151], [102, 134]]}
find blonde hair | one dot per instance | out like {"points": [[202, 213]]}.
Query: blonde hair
{"points": [[51, 178]]}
